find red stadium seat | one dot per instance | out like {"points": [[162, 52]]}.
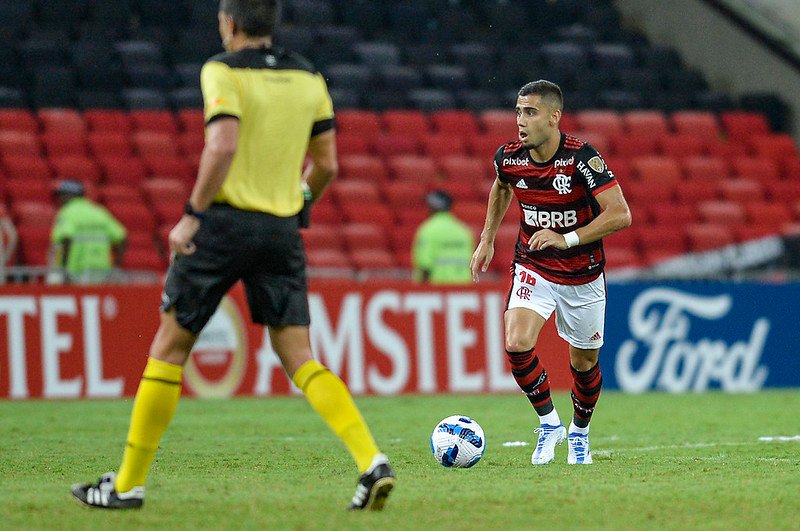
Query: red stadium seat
{"points": [[741, 190], [110, 143], [363, 235], [154, 144], [690, 192], [355, 191], [59, 144], [454, 122], [600, 141], [622, 238], [645, 123], [786, 191], [353, 144], [568, 123], [135, 216], [34, 244], [358, 122], [707, 236], [773, 213], [26, 167], [774, 146], [368, 213], [668, 239], [741, 125], [33, 213], [123, 170], [388, 145], [325, 211], [702, 168], [108, 120], [703, 123], [402, 194], [676, 214], [645, 193], [412, 215], [174, 166], [633, 146], [406, 122], [366, 167], [760, 168], [460, 168], [463, 189], [18, 120], [682, 145], [191, 143], [499, 122], [78, 167], [620, 167], [470, 212], [330, 259], [15, 143], [607, 122], [191, 120], [143, 258], [656, 170], [154, 120], [443, 145], [164, 189], [323, 236], [412, 168], [67, 121], [484, 146], [120, 193], [505, 242], [721, 211], [622, 257], [373, 259]]}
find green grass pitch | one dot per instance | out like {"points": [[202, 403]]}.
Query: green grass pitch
{"points": [[662, 461]]}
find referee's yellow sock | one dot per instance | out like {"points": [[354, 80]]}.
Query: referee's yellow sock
{"points": [[330, 398], [153, 408]]}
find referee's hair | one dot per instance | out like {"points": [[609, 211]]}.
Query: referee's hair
{"points": [[255, 18], [547, 90]]}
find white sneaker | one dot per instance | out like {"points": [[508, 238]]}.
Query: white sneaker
{"points": [[579, 453], [549, 437]]}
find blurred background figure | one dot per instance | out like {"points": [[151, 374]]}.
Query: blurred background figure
{"points": [[8, 242], [442, 245], [88, 242]]}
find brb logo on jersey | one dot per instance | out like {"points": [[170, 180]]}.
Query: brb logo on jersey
{"points": [[562, 183], [548, 220]]}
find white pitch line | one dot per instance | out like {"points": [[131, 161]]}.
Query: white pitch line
{"points": [[512, 444]]}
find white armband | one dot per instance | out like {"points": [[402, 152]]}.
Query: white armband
{"points": [[572, 239]]}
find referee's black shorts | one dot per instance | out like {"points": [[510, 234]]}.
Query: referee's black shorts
{"points": [[263, 250]]}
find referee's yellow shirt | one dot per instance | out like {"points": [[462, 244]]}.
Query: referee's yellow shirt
{"points": [[280, 101]]}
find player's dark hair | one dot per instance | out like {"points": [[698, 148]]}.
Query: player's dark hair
{"points": [[547, 90], [255, 18]]}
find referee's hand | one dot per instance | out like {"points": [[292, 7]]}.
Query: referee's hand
{"points": [[182, 234]]}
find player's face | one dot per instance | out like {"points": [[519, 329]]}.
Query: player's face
{"points": [[535, 120]]}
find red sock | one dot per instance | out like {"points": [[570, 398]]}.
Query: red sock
{"points": [[585, 392], [532, 379]]}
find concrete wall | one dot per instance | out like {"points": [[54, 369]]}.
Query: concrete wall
{"points": [[731, 60]]}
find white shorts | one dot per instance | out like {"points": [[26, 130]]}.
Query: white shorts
{"points": [[580, 310]]}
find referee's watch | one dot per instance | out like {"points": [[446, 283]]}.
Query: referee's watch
{"points": [[190, 211]]}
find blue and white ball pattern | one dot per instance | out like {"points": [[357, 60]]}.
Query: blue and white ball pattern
{"points": [[458, 442]]}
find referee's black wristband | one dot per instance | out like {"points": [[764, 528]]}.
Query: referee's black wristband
{"points": [[190, 211]]}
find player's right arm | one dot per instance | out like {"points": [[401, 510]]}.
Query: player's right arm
{"points": [[499, 200]]}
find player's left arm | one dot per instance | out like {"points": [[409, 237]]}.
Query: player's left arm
{"points": [[614, 215]]}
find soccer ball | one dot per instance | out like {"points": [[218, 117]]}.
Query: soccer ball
{"points": [[458, 442]]}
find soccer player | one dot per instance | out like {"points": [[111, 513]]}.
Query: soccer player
{"points": [[569, 200], [265, 109]]}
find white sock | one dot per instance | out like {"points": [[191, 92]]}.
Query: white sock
{"points": [[574, 429], [551, 418]]}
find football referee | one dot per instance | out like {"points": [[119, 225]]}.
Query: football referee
{"points": [[265, 110]]}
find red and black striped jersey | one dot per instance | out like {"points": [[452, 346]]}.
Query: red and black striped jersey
{"points": [[558, 195]]}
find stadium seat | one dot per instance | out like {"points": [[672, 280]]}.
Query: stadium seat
{"points": [[167, 212], [774, 146], [622, 257], [326, 211], [361, 235], [163, 189], [708, 236], [599, 141], [135, 216], [387, 145], [741, 190], [191, 143], [721, 211], [123, 170], [67, 121], [368, 213], [630, 146], [691, 191], [404, 193], [656, 170], [786, 191], [108, 120], [470, 212], [464, 168], [329, 259], [412, 168], [703, 168], [662, 239], [80, 167], [454, 122], [406, 122], [401, 241], [504, 244], [176, 166], [762, 169], [25, 167], [151, 143], [677, 214], [358, 122], [58, 144], [412, 215], [161, 121], [772, 214], [741, 125], [499, 123], [19, 143], [120, 193], [18, 120], [353, 144], [702, 123], [643, 193], [608, 123], [143, 258], [443, 144], [485, 146], [109, 143], [34, 244], [645, 123], [362, 166], [355, 191], [323, 236], [33, 213]]}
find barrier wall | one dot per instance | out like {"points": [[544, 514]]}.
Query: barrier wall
{"points": [[390, 338]]}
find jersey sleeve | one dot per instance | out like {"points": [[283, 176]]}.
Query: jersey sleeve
{"points": [[220, 92], [323, 119], [498, 163], [592, 170]]}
